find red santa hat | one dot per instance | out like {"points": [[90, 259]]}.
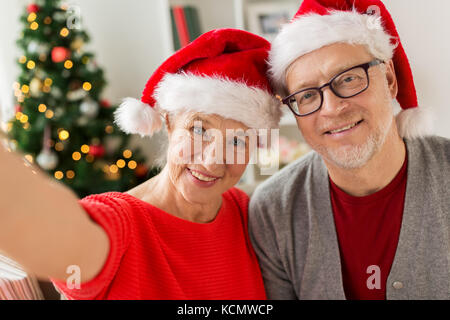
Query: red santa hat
{"points": [[222, 72], [318, 23]]}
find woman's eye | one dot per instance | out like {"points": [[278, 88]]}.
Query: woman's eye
{"points": [[198, 130], [238, 142]]}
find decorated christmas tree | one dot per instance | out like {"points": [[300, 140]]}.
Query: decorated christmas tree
{"points": [[62, 123]]}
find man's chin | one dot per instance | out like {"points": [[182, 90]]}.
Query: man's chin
{"points": [[351, 156]]}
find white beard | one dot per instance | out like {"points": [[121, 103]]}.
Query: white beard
{"points": [[356, 156]]}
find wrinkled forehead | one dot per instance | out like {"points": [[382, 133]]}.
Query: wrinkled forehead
{"points": [[325, 62], [207, 120]]}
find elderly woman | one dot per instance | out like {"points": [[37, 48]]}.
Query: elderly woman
{"points": [[183, 233]]}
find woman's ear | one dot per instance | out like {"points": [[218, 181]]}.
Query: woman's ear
{"points": [[166, 117], [391, 79]]}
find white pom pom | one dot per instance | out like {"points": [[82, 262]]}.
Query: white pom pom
{"points": [[414, 122], [135, 117]]}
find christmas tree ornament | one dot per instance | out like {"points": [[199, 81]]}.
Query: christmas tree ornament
{"points": [[83, 120], [92, 66], [75, 84], [32, 7], [104, 103], [36, 87], [97, 151], [76, 95], [59, 16], [141, 170], [47, 160], [60, 54], [89, 108], [112, 144], [39, 48], [56, 92], [32, 47], [59, 112], [77, 44]]}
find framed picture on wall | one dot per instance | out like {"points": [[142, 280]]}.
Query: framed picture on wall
{"points": [[266, 18]]}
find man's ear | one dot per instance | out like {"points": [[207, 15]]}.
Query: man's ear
{"points": [[391, 78]]}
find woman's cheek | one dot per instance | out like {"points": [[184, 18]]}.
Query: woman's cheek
{"points": [[180, 150]]}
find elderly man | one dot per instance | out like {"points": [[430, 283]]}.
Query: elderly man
{"points": [[366, 215]]}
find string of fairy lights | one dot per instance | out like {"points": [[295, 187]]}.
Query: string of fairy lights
{"points": [[23, 91]]}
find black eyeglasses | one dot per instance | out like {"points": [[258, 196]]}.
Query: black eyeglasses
{"points": [[345, 84]]}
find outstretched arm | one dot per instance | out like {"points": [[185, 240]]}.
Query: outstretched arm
{"points": [[42, 225]]}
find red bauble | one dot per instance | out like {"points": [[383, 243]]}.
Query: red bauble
{"points": [[33, 8], [105, 103], [60, 54], [96, 151], [18, 108], [141, 170]]}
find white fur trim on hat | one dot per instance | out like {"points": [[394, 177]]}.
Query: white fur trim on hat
{"points": [[135, 117], [252, 106], [312, 31], [414, 122]]}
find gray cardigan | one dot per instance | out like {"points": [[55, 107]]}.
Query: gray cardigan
{"points": [[292, 228]]}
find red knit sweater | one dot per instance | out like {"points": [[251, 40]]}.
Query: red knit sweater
{"points": [[155, 255]]}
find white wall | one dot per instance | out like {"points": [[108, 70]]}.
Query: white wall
{"points": [[424, 29], [128, 41]]}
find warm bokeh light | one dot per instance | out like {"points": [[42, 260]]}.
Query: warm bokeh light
{"points": [[63, 135], [127, 154], [25, 88], [64, 32], [42, 107], [68, 64], [87, 86], [31, 64], [85, 148], [59, 146], [59, 175], [70, 174], [132, 164], [109, 129], [113, 168], [31, 17], [29, 158], [34, 25], [49, 114], [76, 156], [121, 163], [23, 118]]}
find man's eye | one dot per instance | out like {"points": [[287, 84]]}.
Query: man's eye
{"points": [[348, 79], [307, 95]]}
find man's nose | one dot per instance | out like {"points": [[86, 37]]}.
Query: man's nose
{"points": [[332, 104]]}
